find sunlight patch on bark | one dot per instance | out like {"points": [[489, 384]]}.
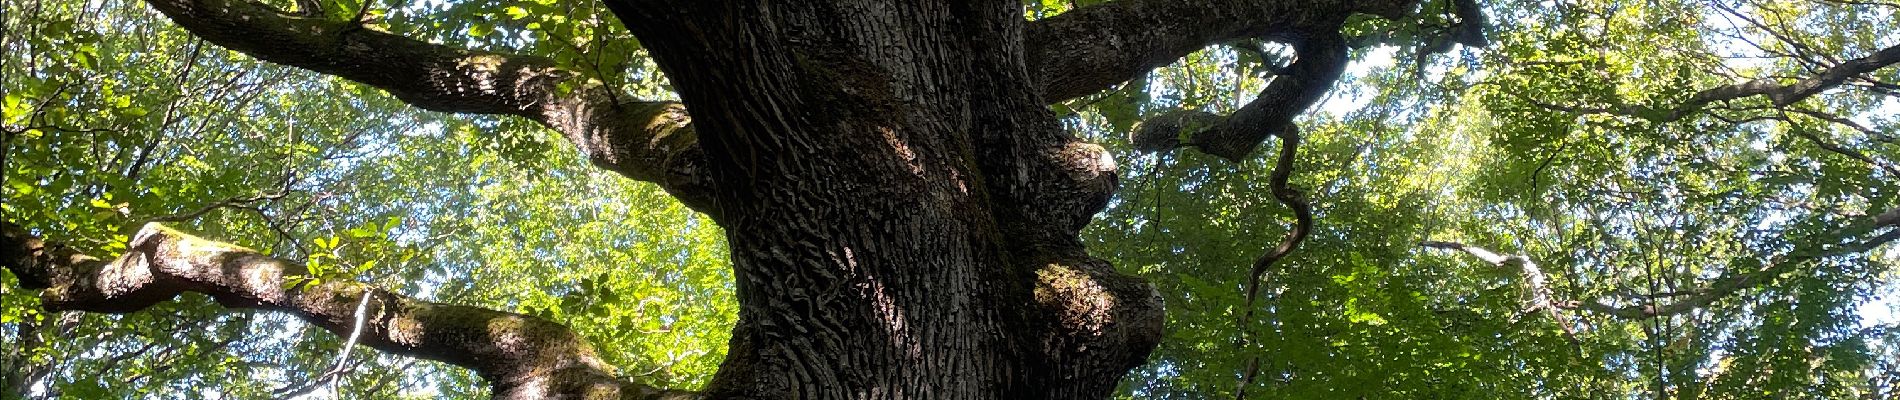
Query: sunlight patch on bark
{"points": [[1085, 303]]}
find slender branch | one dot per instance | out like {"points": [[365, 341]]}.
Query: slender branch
{"points": [[232, 202], [1800, 51], [522, 357], [1536, 284], [1877, 86], [362, 13], [356, 332], [1292, 199], [380, 383], [1302, 226], [335, 374], [1842, 150], [1780, 94], [1696, 298], [1863, 129], [309, 8], [1812, 137]]}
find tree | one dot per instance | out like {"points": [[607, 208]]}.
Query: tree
{"points": [[904, 210]]}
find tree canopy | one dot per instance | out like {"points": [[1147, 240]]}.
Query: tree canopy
{"points": [[1507, 199]]}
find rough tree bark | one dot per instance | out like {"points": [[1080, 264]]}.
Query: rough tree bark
{"points": [[902, 206]]}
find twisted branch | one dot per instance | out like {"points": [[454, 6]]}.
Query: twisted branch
{"points": [[1302, 226]]}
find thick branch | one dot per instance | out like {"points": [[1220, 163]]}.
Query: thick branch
{"points": [[1322, 58], [1089, 49], [649, 141], [1785, 94], [523, 357]]}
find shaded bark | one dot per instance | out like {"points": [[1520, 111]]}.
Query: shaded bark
{"points": [[1076, 53], [1293, 200], [17, 359], [1322, 58]]}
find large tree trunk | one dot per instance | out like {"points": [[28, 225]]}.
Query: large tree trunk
{"points": [[902, 209], [902, 206]]}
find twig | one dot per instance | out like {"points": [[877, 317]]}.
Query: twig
{"points": [[232, 202], [362, 308], [335, 374], [1841, 150]]}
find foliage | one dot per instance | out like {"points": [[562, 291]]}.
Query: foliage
{"points": [[1487, 146], [152, 124]]}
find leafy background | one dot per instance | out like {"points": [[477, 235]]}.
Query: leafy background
{"points": [[114, 117]]}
